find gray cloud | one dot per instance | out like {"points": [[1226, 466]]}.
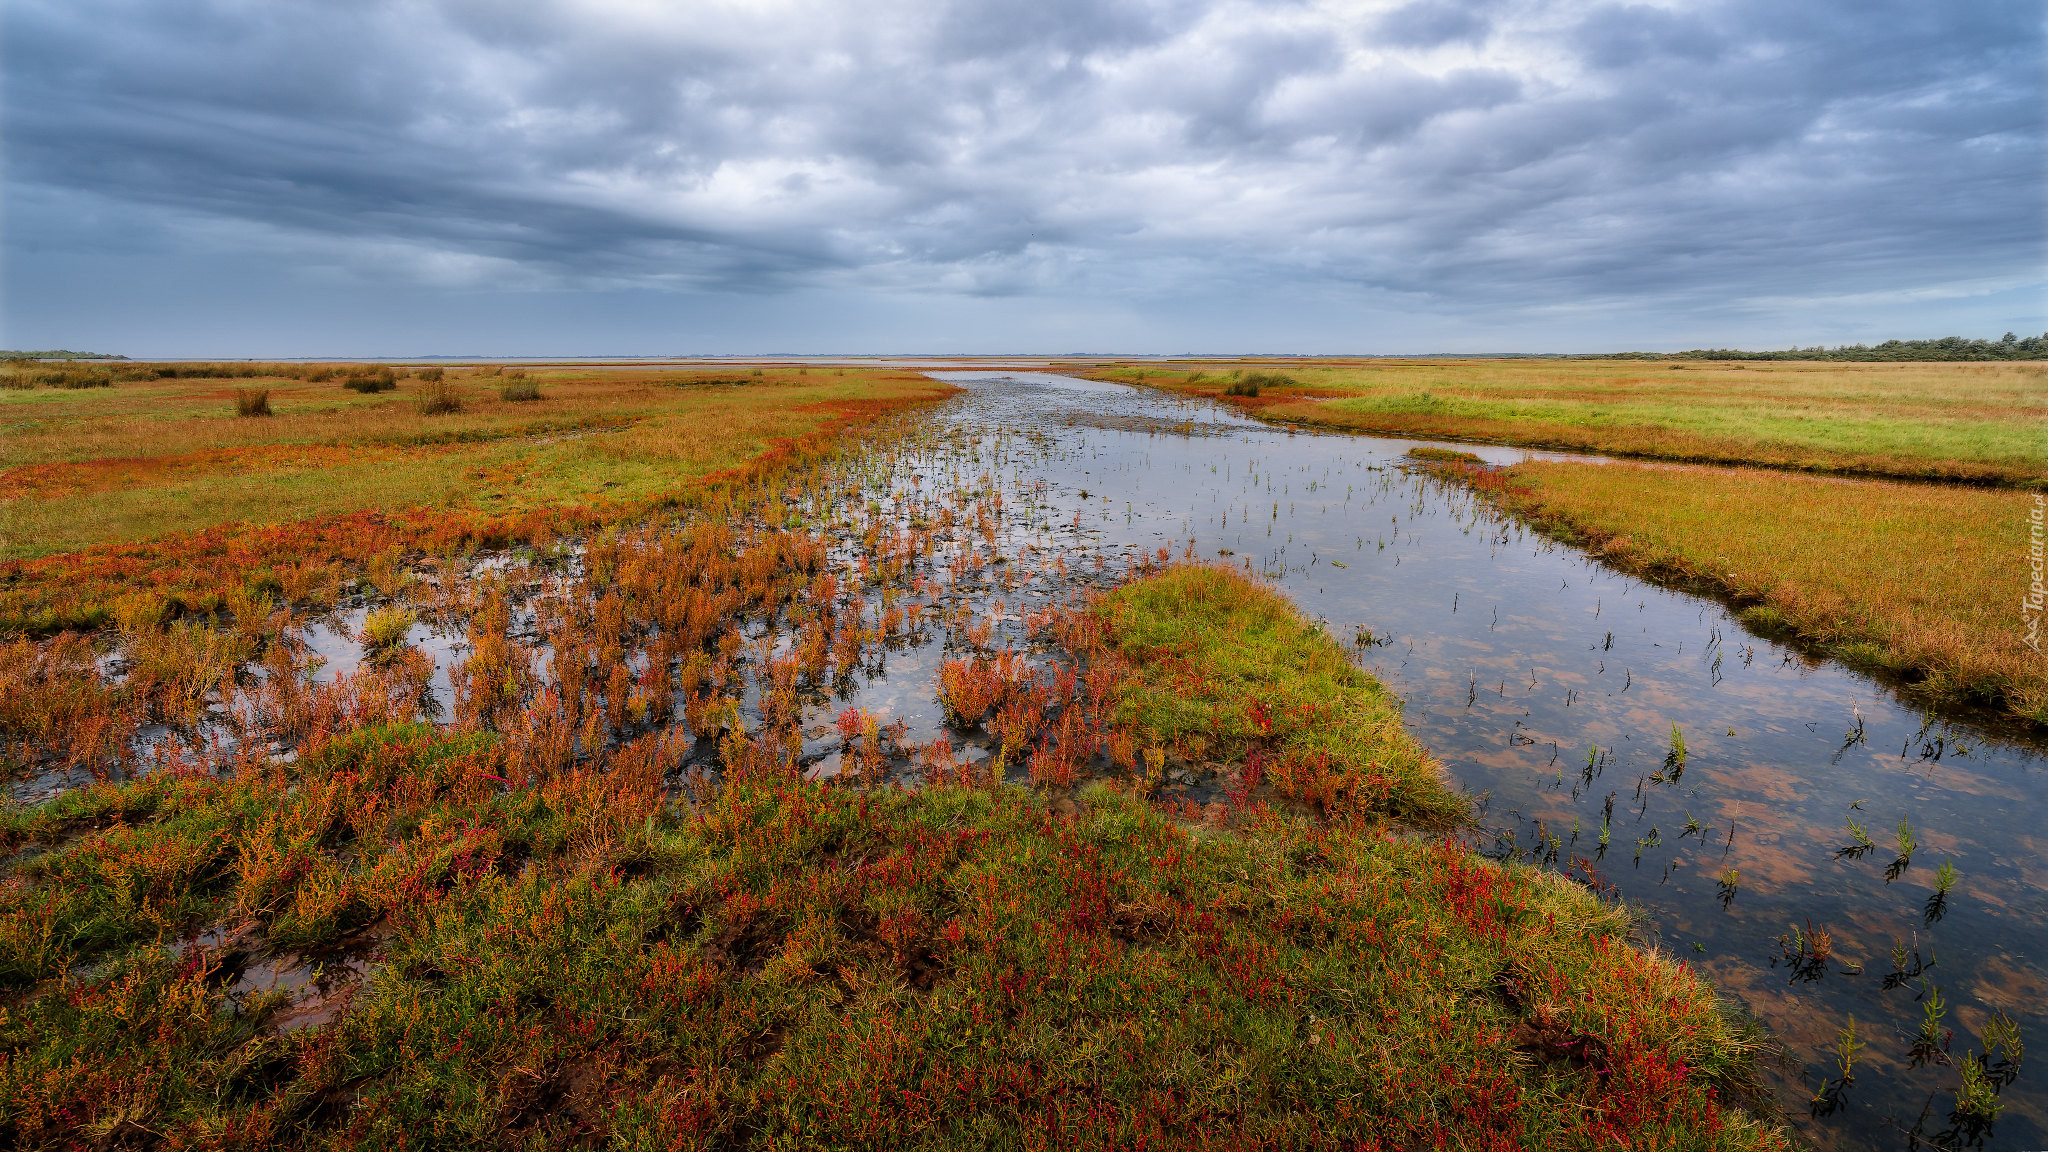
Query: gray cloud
{"points": [[1466, 158]]}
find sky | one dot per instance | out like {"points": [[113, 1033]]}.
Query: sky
{"points": [[393, 178]]}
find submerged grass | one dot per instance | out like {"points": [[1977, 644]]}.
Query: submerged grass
{"points": [[1971, 422], [1918, 581]]}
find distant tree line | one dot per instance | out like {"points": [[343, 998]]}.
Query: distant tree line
{"points": [[59, 354], [2007, 347]]}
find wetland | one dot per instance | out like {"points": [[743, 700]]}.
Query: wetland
{"points": [[907, 616]]}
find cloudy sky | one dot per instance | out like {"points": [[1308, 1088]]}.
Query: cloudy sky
{"points": [[558, 177]]}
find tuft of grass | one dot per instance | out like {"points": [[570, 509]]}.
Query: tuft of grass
{"points": [[1222, 668], [519, 391], [1444, 455], [436, 398], [252, 401], [385, 630]]}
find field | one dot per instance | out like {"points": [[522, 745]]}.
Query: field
{"points": [[1969, 422], [1920, 581], [606, 897], [338, 477]]}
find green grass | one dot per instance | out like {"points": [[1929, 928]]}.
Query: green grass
{"points": [[156, 488], [1959, 421], [143, 460], [540, 927], [580, 960], [1224, 668]]}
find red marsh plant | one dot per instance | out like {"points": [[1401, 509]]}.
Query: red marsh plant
{"points": [[585, 959], [572, 934]]}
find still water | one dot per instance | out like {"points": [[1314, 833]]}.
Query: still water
{"points": [[1554, 688], [1556, 691]]}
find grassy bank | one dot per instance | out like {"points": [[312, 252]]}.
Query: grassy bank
{"points": [[1918, 581], [1221, 668], [157, 488], [1970, 422]]}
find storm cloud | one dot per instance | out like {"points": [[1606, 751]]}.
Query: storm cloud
{"points": [[1139, 176]]}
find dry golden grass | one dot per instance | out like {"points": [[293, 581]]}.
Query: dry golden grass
{"points": [[1978, 422], [1920, 580]]}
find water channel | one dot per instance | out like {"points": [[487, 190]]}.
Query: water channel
{"points": [[1550, 685]]}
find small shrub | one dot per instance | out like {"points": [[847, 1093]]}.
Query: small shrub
{"points": [[318, 375], [66, 377], [252, 401], [491, 370], [369, 378], [436, 398], [1250, 383], [430, 375], [385, 630], [1445, 455], [520, 391]]}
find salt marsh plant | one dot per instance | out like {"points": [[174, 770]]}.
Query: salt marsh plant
{"points": [[603, 902], [436, 398], [385, 631], [1906, 845], [1674, 758], [1930, 1044], [1860, 843], [252, 401], [519, 391], [1945, 877], [369, 378]]}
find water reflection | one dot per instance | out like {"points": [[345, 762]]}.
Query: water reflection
{"points": [[1638, 736]]}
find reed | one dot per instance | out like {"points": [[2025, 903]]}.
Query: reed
{"points": [[436, 398]]}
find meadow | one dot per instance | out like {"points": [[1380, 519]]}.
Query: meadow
{"points": [[607, 895], [111, 487], [1976, 423]]}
